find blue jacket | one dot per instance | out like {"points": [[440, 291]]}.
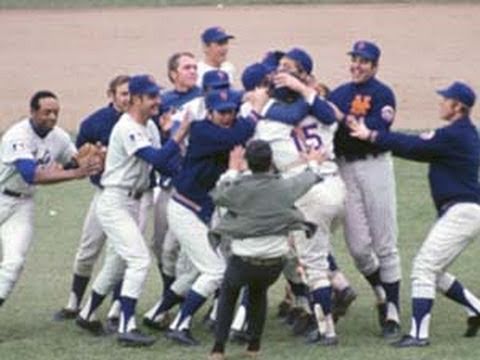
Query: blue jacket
{"points": [[97, 128], [454, 156], [207, 158], [372, 100]]}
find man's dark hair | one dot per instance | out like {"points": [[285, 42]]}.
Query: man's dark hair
{"points": [[39, 95], [116, 82], [174, 62], [259, 156]]}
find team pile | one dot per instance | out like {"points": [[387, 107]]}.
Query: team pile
{"points": [[179, 153]]}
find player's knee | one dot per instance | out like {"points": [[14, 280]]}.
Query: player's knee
{"points": [[12, 268]]}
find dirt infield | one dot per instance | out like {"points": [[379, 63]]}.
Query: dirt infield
{"points": [[75, 53]]}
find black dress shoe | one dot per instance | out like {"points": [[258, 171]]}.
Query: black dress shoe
{"points": [[391, 330], [315, 337], [65, 314], [183, 337], [94, 327], [342, 301], [409, 341], [473, 325], [135, 338]]}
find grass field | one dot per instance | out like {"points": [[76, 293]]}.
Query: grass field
{"points": [[27, 331], [15, 4]]}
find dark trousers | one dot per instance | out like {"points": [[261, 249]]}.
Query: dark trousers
{"points": [[258, 275]]}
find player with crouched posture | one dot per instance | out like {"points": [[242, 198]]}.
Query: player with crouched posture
{"points": [[133, 150], [453, 153]]}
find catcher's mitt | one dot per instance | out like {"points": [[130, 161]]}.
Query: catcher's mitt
{"points": [[90, 154]]}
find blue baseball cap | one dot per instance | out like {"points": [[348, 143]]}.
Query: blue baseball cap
{"points": [[222, 100], [143, 85], [366, 49], [215, 34], [253, 75], [215, 79], [271, 59], [459, 91], [301, 57]]}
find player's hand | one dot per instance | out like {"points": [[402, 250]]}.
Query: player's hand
{"points": [[317, 155], [284, 79], [358, 129], [236, 160], [165, 121], [258, 98], [184, 128]]}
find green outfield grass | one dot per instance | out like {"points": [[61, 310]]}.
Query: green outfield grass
{"points": [[13, 4], [28, 332]]}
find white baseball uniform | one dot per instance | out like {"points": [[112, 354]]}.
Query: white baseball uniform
{"points": [[226, 66], [16, 195]]}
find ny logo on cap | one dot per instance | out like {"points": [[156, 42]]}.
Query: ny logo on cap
{"points": [[360, 45], [224, 95]]}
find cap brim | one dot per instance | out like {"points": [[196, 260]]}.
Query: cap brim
{"points": [[361, 54], [226, 106], [220, 38], [444, 93]]}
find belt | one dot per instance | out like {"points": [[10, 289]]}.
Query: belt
{"points": [[262, 262], [14, 194], [135, 194], [190, 204]]}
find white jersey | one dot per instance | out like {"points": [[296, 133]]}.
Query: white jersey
{"points": [[122, 168], [226, 66], [196, 109], [288, 142], [21, 142]]}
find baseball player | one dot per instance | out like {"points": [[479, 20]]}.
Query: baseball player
{"points": [[324, 202], [33, 152], [134, 148], [370, 216], [96, 128], [190, 208], [215, 42], [176, 270], [453, 153]]}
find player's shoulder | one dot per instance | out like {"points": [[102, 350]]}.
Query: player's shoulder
{"points": [[21, 129], [59, 134]]}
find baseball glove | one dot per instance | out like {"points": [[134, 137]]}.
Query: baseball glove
{"points": [[90, 154]]}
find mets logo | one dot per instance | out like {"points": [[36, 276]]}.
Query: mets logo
{"points": [[42, 156], [360, 105], [360, 45], [224, 95], [221, 74]]}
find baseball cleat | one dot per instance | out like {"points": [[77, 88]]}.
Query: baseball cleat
{"points": [[182, 337], [342, 301], [111, 326], [239, 337], [161, 325], [135, 338], [473, 325], [314, 337], [65, 314], [391, 330], [409, 341], [94, 327]]}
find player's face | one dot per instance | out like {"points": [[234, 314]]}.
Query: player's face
{"points": [[288, 65], [47, 115], [217, 52], [448, 109], [223, 118], [186, 74], [121, 97], [149, 105], [361, 69]]}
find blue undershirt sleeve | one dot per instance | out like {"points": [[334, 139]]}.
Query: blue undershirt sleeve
{"points": [[26, 168], [160, 158]]}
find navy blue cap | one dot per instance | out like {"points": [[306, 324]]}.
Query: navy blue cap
{"points": [[143, 85], [253, 75], [301, 57], [271, 59], [461, 92], [215, 34], [366, 49], [222, 100], [215, 79]]}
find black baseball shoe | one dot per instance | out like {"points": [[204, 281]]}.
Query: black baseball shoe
{"points": [[66, 314], [314, 337], [409, 341], [135, 338], [161, 325], [111, 325], [303, 324], [391, 330], [473, 325], [182, 337], [342, 301], [239, 337], [94, 327]]}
